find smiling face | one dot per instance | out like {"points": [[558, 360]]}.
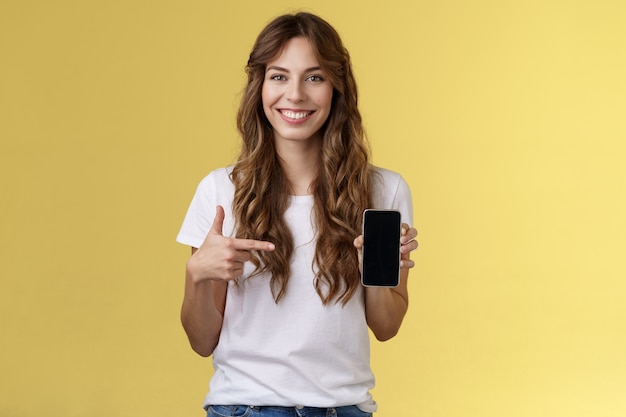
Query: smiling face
{"points": [[296, 93]]}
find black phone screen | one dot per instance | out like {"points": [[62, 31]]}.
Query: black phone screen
{"points": [[381, 249]]}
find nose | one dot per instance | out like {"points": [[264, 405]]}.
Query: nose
{"points": [[296, 92]]}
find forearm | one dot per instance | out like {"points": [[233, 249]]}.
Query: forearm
{"points": [[200, 317], [385, 308]]}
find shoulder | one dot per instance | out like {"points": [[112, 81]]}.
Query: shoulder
{"points": [[384, 176], [391, 191], [219, 177], [216, 188], [387, 181], [216, 183]]}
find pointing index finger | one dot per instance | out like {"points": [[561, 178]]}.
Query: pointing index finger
{"points": [[251, 244]]}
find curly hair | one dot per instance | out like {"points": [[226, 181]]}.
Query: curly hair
{"points": [[342, 187]]}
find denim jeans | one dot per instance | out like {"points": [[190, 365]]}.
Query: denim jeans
{"points": [[252, 411]]}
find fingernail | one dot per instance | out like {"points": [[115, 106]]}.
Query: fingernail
{"points": [[271, 246]]}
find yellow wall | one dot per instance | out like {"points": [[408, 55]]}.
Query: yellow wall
{"points": [[506, 117]]}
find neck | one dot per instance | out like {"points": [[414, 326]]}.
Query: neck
{"points": [[299, 160]]}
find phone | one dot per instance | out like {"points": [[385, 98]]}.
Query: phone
{"points": [[380, 265]]}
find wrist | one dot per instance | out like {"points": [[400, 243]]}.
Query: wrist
{"points": [[194, 272]]}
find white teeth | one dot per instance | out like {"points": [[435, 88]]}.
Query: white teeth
{"points": [[294, 115]]}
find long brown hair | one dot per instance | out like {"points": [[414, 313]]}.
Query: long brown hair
{"points": [[342, 188]]}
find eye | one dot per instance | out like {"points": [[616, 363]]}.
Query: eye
{"points": [[277, 77], [315, 78]]}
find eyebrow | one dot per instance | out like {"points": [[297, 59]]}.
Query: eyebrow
{"points": [[281, 69]]}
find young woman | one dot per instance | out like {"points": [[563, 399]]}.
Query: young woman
{"points": [[273, 284]]}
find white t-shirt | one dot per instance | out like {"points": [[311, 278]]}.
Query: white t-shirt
{"points": [[296, 352]]}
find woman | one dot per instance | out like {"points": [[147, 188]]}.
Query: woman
{"points": [[272, 287]]}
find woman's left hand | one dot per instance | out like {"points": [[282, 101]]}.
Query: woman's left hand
{"points": [[408, 244], [385, 307]]}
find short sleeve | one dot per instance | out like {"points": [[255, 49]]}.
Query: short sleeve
{"points": [[215, 189], [391, 191]]}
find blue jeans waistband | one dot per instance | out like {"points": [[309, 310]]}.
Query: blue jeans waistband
{"points": [[273, 411]]}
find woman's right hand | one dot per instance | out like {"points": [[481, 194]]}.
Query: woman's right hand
{"points": [[222, 258]]}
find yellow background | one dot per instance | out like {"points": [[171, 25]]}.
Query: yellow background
{"points": [[507, 118]]}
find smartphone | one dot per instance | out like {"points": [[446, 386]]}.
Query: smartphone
{"points": [[380, 265]]}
